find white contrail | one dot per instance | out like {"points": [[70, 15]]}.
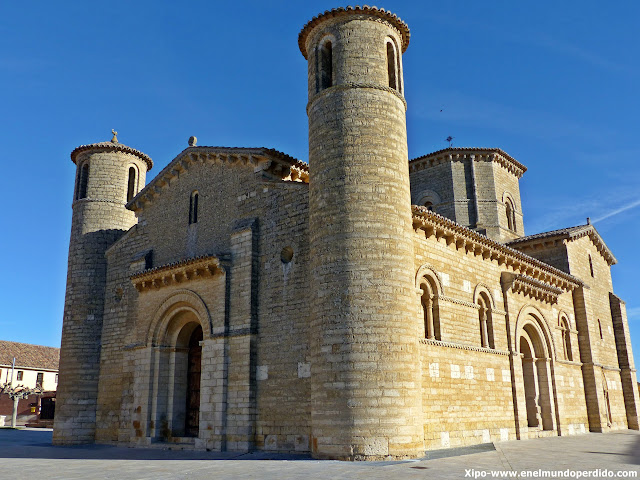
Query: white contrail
{"points": [[633, 313], [624, 208]]}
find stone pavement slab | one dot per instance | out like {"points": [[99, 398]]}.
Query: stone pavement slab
{"points": [[28, 453]]}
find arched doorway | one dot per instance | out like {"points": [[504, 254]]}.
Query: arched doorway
{"points": [[536, 377], [175, 401]]}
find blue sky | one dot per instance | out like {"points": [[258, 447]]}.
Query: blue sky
{"points": [[552, 83]]}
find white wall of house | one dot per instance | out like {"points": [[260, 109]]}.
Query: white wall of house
{"points": [[29, 377]]}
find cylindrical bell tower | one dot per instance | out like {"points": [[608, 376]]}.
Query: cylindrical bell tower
{"points": [[108, 175], [365, 383]]}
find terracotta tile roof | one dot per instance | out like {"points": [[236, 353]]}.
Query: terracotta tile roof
{"points": [[495, 154], [569, 233], [29, 356], [180, 263], [392, 18], [187, 156], [552, 233], [111, 146]]}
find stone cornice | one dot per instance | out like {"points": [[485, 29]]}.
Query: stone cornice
{"points": [[603, 366], [535, 289], [110, 147], [272, 162], [437, 226], [373, 12], [461, 346], [460, 154], [299, 173], [464, 303], [455, 301], [616, 298], [176, 273], [91, 200], [569, 362], [348, 85]]}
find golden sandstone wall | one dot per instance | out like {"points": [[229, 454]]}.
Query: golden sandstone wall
{"points": [[467, 388], [99, 219], [253, 218], [365, 384], [471, 186], [599, 354]]}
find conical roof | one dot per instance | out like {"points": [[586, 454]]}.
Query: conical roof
{"points": [[112, 146]]}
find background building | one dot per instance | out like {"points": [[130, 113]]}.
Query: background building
{"points": [[35, 366]]}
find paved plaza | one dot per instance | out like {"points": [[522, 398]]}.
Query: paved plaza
{"points": [[28, 453]]}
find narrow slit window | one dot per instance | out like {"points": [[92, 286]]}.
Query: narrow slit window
{"points": [[566, 339], [591, 266], [325, 65], [392, 66], [131, 184], [78, 178], [83, 179], [600, 329], [193, 208]]}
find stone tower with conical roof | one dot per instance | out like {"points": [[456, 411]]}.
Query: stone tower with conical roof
{"points": [[365, 379], [108, 175]]}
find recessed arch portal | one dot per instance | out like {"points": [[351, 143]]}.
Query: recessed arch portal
{"points": [[176, 334], [534, 346]]}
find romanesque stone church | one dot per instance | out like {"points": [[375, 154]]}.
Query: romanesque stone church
{"points": [[362, 306]]}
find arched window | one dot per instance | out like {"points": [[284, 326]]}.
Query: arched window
{"points": [[591, 266], [131, 184], [392, 66], [193, 208], [566, 338], [427, 198], [486, 321], [429, 303], [511, 216], [600, 329], [325, 65], [83, 179]]}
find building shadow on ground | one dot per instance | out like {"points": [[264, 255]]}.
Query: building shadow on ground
{"points": [[19, 443]]}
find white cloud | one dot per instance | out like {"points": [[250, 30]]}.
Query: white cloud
{"points": [[561, 211], [568, 49], [633, 313]]}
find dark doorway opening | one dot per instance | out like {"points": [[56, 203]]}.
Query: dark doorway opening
{"points": [[192, 420]]}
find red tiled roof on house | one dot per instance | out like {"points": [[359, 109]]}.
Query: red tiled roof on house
{"points": [[29, 356]]}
